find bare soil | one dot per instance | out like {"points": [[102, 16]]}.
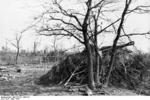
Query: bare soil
{"points": [[23, 83]]}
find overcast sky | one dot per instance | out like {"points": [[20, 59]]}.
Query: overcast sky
{"points": [[16, 15]]}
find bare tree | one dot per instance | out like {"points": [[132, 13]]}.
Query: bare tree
{"points": [[35, 46], [77, 24], [118, 34], [84, 26], [17, 45], [127, 3], [54, 46], [75, 27]]}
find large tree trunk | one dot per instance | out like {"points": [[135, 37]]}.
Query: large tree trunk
{"points": [[97, 70], [91, 82], [97, 62], [97, 56], [88, 48], [97, 65]]}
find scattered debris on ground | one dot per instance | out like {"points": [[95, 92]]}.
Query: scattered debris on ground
{"points": [[23, 84]]}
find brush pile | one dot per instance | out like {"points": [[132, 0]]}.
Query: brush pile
{"points": [[72, 69], [128, 71]]}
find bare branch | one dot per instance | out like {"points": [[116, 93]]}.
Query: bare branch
{"points": [[108, 73], [64, 12], [135, 34], [68, 33], [140, 9], [64, 22], [14, 45], [96, 5], [54, 34], [109, 26], [107, 48]]}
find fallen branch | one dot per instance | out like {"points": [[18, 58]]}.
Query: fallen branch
{"points": [[106, 48], [70, 77], [80, 72]]}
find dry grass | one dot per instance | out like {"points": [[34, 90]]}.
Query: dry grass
{"points": [[23, 83]]}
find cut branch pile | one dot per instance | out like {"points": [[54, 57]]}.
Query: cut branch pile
{"points": [[72, 69], [127, 71]]}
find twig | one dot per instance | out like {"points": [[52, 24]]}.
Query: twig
{"points": [[80, 72], [76, 68], [70, 77]]}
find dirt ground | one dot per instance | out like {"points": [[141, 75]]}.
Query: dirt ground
{"points": [[23, 83]]}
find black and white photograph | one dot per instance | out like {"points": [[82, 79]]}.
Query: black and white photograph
{"points": [[74, 48]]}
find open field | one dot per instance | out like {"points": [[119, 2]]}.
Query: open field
{"points": [[23, 83]]}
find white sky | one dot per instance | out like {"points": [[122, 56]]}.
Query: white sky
{"points": [[16, 15]]}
